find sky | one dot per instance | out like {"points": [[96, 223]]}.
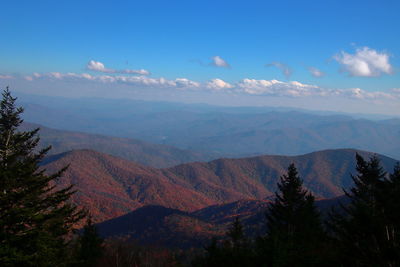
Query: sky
{"points": [[322, 55]]}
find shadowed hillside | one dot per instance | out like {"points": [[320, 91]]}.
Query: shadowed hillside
{"points": [[157, 225]]}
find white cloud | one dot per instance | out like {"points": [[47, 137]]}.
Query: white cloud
{"points": [[297, 89], [98, 66], [141, 72], [316, 72], [277, 88], [60, 76], [146, 81], [366, 62], [134, 80], [217, 61], [183, 82], [218, 85], [273, 88], [396, 92], [286, 70], [6, 77], [362, 94]]}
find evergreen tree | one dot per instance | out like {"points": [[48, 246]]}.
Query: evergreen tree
{"points": [[294, 231], [238, 250], [235, 251], [236, 234], [391, 208], [35, 216], [214, 256], [90, 245], [367, 233]]}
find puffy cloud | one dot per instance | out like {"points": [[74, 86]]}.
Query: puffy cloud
{"points": [[146, 81], [297, 89], [277, 88], [60, 76], [255, 87], [362, 94], [246, 86], [366, 62], [6, 77], [217, 61], [316, 72], [151, 82], [286, 70], [183, 82], [135, 80], [218, 85], [98, 66], [141, 72]]}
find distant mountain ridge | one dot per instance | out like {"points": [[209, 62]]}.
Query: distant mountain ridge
{"points": [[233, 131], [110, 186], [148, 154]]}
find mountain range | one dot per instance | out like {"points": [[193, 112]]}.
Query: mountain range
{"points": [[145, 153], [109, 186], [199, 166], [221, 131]]}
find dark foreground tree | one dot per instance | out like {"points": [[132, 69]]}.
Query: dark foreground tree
{"points": [[237, 240], [122, 252], [236, 250], [294, 231], [368, 233], [35, 216], [89, 246], [392, 215]]}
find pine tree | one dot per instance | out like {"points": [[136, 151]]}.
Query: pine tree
{"points": [[366, 234], [90, 245], [238, 250], [392, 186], [391, 208], [236, 235], [235, 251], [35, 216], [294, 230]]}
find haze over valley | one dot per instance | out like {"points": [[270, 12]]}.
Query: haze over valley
{"points": [[215, 131]]}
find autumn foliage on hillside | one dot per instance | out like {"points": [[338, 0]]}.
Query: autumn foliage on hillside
{"points": [[110, 187]]}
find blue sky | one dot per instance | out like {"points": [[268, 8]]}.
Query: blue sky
{"points": [[348, 45]]}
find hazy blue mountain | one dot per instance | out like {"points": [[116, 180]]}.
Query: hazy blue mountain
{"points": [[231, 131], [154, 155]]}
